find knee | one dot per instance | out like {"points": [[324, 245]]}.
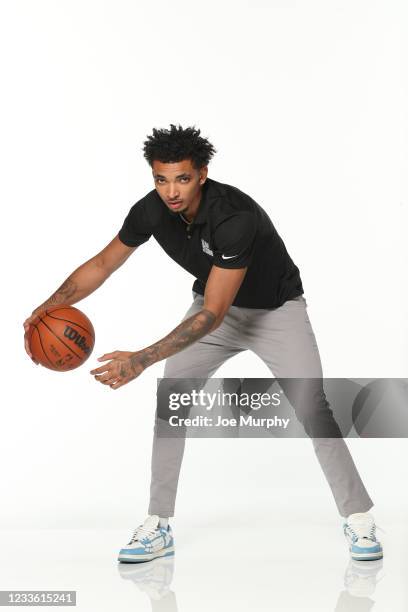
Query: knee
{"points": [[317, 418]]}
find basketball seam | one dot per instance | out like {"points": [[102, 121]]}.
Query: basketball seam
{"points": [[67, 345], [42, 347], [68, 321]]}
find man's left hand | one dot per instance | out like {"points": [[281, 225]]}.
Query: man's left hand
{"points": [[124, 367]]}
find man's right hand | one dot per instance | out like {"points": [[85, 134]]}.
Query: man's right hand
{"points": [[27, 323]]}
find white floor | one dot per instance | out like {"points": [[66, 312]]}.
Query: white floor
{"points": [[245, 563]]}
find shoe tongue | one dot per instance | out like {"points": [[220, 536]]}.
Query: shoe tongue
{"points": [[361, 522], [152, 522], [360, 518]]}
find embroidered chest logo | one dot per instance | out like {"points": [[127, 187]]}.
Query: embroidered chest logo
{"points": [[206, 247]]}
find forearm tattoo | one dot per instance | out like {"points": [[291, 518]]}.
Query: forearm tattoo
{"points": [[188, 332], [63, 293]]}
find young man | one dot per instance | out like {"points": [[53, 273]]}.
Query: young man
{"points": [[248, 295]]}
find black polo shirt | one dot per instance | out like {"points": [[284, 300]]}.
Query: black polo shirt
{"points": [[230, 230]]}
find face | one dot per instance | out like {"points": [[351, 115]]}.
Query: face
{"points": [[179, 185]]}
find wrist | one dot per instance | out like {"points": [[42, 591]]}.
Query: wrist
{"points": [[42, 308], [144, 358], [149, 356]]}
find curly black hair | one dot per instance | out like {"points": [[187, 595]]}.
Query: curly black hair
{"points": [[177, 144]]}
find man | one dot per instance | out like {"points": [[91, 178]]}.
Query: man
{"points": [[248, 295]]}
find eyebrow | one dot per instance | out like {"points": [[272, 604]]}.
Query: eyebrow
{"points": [[178, 176]]}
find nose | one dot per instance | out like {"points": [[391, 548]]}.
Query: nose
{"points": [[173, 193]]}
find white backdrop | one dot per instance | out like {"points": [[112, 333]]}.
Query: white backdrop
{"points": [[306, 104]]}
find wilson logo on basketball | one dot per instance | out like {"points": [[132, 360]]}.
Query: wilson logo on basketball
{"points": [[79, 340]]}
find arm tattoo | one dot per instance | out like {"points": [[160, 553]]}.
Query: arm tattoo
{"points": [[62, 294], [188, 332]]}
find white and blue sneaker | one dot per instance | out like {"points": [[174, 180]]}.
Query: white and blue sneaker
{"points": [[359, 530], [148, 542]]}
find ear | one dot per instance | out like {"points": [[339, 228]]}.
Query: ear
{"points": [[203, 174]]}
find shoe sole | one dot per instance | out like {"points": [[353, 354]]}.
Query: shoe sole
{"points": [[366, 556], [166, 552]]}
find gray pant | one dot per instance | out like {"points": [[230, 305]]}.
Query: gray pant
{"points": [[283, 338]]}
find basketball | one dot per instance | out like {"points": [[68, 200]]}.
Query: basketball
{"points": [[61, 338]]}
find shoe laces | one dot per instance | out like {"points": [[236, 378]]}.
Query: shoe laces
{"points": [[362, 530], [147, 530]]}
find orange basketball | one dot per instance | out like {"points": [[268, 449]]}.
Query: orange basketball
{"points": [[61, 338]]}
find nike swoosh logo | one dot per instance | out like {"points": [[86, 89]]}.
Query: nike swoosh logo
{"points": [[228, 256]]}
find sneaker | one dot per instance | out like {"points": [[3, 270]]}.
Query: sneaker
{"points": [[148, 542], [359, 530]]}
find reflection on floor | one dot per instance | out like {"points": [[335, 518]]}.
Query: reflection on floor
{"points": [[216, 567], [154, 579]]}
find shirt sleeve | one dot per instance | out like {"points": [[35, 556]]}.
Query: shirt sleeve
{"points": [[234, 240], [136, 228]]}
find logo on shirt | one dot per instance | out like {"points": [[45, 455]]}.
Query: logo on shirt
{"points": [[206, 247], [228, 256]]}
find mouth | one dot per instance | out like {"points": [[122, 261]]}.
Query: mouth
{"points": [[175, 204]]}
